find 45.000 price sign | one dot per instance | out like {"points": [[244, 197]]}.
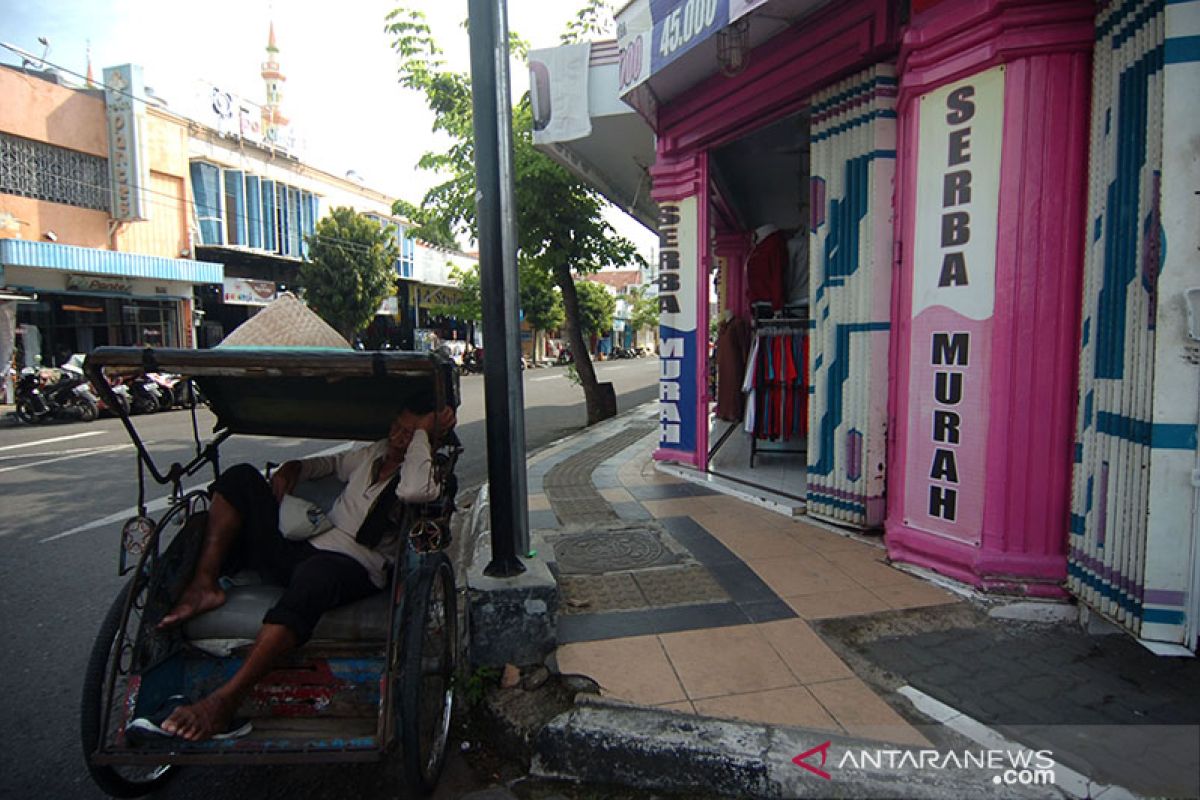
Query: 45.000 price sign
{"points": [[684, 24]]}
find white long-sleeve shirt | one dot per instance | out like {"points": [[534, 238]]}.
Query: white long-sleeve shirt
{"points": [[356, 468]]}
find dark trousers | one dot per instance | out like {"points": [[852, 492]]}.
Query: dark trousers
{"points": [[315, 580]]}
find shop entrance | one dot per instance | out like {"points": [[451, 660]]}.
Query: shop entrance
{"points": [[759, 382]]}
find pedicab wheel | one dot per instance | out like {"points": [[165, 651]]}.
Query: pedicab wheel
{"points": [[428, 663], [130, 781]]}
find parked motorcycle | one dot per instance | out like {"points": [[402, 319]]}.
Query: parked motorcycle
{"points": [[62, 394], [473, 361], [145, 395], [75, 365], [171, 390], [564, 355]]}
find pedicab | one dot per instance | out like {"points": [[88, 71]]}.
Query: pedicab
{"points": [[374, 684]]}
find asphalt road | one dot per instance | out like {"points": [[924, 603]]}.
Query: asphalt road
{"points": [[65, 488]]}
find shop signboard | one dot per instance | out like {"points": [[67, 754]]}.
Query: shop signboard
{"points": [[99, 283], [953, 299], [678, 387], [233, 115], [128, 171], [245, 292], [653, 33]]}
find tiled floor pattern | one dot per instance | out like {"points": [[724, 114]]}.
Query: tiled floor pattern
{"points": [[777, 672]]}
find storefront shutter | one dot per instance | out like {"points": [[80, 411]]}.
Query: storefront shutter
{"points": [[1133, 510], [853, 126]]}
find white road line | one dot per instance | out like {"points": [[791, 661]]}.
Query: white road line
{"points": [[161, 503], [1071, 782], [112, 448], [53, 440], [44, 454], [120, 516], [547, 378]]}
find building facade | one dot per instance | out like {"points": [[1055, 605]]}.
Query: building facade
{"points": [[255, 201], [94, 234], [960, 237]]}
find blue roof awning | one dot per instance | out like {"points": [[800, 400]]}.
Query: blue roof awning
{"points": [[22, 253]]}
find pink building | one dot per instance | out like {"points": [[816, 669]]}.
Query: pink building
{"points": [[954, 235]]}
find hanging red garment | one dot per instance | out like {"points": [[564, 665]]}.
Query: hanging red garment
{"points": [[765, 270]]}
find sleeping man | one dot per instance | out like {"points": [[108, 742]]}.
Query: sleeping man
{"points": [[331, 569]]}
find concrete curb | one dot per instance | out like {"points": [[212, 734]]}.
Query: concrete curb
{"points": [[604, 742]]}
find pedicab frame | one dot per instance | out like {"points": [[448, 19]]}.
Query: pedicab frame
{"points": [[310, 393]]}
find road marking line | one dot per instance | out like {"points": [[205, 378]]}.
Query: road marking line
{"points": [[112, 448], [44, 454], [547, 378], [162, 502], [1071, 782], [53, 440], [120, 516]]}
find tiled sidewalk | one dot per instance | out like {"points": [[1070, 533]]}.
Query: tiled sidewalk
{"points": [[754, 657]]}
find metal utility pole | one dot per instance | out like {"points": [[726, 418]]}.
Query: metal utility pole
{"points": [[504, 397]]}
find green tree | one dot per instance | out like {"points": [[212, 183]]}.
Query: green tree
{"points": [[560, 227], [644, 311], [540, 299], [349, 269], [596, 308], [425, 228]]}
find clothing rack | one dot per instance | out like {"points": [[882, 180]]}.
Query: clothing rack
{"points": [[780, 411]]}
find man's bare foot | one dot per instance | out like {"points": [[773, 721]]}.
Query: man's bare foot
{"points": [[201, 720], [195, 601]]}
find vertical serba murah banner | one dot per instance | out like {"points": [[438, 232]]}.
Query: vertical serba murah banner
{"points": [[953, 301], [679, 339]]}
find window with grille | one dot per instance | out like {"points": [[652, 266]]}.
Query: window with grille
{"points": [[55, 174]]}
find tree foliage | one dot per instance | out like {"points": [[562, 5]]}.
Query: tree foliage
{"points": [[541, 300], [425, 227], [596, 307], [468, 306], [644, 313], [561, 229], [349, 269]]}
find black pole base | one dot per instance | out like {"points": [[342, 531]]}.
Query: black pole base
{"points": [[501, 567]]}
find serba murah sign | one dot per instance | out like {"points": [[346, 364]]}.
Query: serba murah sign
{"points": [[953, 302], [677, 314]]}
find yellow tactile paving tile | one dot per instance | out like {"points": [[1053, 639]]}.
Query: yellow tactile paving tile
{"points": [[802, 650], [792, 705], [617, 495], [634, 669], [718, 661], [831, 605], [800, 575], [913, 595], [861, 712]]}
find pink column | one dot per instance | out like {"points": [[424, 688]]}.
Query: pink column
{"points": [[733, 247], [1012, 482]]}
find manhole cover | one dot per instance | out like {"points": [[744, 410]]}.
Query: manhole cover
{"points": [[613, 551]]}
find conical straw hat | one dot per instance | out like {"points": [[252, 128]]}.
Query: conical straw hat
{"points": [[286, 322]]}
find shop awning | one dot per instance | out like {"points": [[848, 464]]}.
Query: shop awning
{"points": [[615, 157], [69, 258]]}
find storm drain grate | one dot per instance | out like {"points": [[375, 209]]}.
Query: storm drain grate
{"points": [[611, 551]]}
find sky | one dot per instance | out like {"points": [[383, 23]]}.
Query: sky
{"points": [[341, 94]]}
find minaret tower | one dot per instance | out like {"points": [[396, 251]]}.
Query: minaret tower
{"points": [[272, 117]]}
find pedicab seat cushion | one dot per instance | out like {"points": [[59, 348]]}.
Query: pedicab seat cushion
{"points": [[242, 615]]}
